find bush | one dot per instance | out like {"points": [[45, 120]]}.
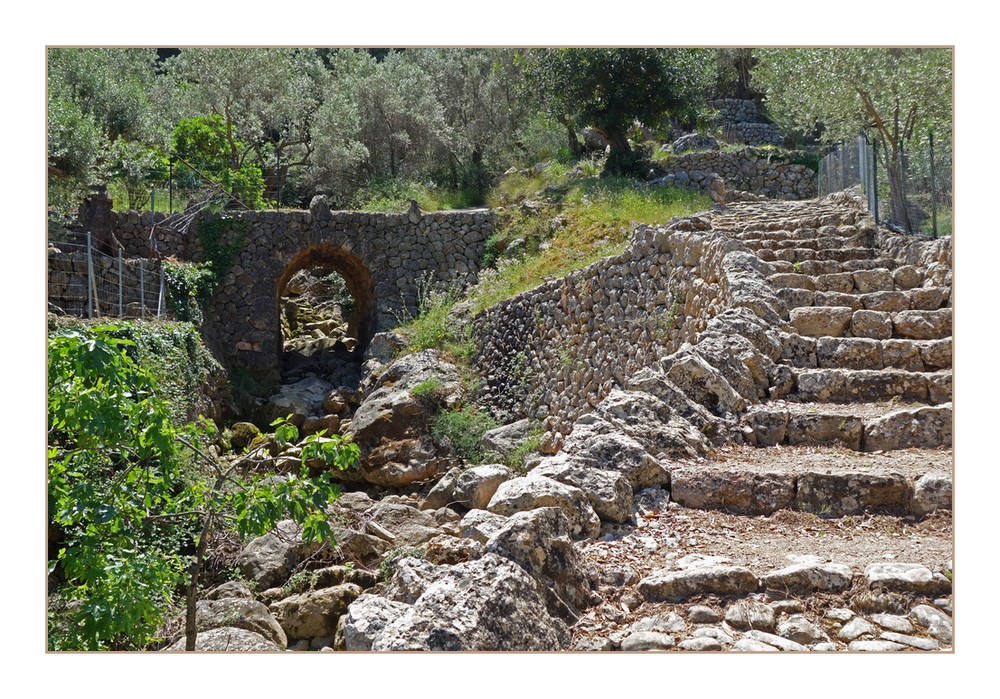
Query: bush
{"points": [[463, 429]]}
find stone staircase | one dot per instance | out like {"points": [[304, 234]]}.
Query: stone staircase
{"points": [[869, 348]]}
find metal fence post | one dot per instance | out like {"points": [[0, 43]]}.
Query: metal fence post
{"points": [[90, 279], [121, 285], [933, 188], [159, 298], [875, 176], [142, 289], [170, 184]]}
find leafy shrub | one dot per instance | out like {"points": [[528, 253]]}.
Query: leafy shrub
{"points": [[463, 429]]}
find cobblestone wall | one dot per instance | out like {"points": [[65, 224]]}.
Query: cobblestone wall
{"points": [[147, 234]]}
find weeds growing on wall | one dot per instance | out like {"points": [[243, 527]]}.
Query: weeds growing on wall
{"points": [[463, 428]]}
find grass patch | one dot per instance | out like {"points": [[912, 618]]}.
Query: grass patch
{"points": [[393, 196], [599, 215]]}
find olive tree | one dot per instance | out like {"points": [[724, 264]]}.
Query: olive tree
{"points": [[611, 89], [895, 93]]}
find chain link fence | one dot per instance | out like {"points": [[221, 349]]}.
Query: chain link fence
{"points": [[909, 190], [87, 283]]}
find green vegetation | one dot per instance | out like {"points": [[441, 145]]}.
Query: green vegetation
{"points": [[463, 428], [393, 196], [134, 500], [190, 284], [599, 215]]}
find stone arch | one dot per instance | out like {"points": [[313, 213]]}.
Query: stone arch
{"points": [[357, 277]]}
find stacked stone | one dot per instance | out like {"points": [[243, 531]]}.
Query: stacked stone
{"points": [[68, 280], [560, 348], [742, 123], [750, 170], [149, 234]]}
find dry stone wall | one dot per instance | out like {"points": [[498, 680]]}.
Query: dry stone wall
{"points": [[145, 234], [67, 284], [741, 122], [557, 350], [750, 170]]}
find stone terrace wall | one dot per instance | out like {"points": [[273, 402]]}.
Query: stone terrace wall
{"points": [[136, 232], [749, 170], [67, 283], [558, 349], [741, 122]]}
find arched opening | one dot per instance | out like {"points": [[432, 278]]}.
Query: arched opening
{"points": [[326, 306]]}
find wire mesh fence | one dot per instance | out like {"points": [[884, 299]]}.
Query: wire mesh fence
{"points": [[909, 189], [88, 283]]}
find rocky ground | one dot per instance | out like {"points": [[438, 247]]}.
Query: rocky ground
{"points": [[780, 485]]}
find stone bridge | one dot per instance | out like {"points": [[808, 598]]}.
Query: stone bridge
{"points": [[386, 260]]}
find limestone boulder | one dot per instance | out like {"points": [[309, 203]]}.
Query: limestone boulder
{"points": [[929, 426], [314, 614], [599, 441], [228, 639], [669, 585], [539, 542], [809, 578], [247, 614], [876, 325], [407, 525], [651, 422], [505, 439], [366, 617], [703, 382], [907, 577], [480, 525], [922, 325], [268, 560], [523, 494], [490, 604], [819, 321], [609, 492], [842, 494], [300, 400], [449, 550], [932, 491], [742, 492], [475, 487]]}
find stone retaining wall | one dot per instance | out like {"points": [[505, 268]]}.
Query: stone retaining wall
{"points": [[67, 284], [145, 234], [558, 349], [750, 170], [741, 122]]}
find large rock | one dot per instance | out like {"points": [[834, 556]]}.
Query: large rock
{"points": [[538, 541], [922, 325], [228, 639], [367, 616], [609, 492], [666, 585], [314, 614], [408, 525], [742, 492], [819, 321], [807, 578], [598, 440], [907, 577], [703, 382], [928, 426], [300, 400], [522, 494], [932, 491], [475, 487], [268, 560], [505, 439], [390, 425], [652, 423], [490, 604], [480, 525], [247, 614], [842, 494]]}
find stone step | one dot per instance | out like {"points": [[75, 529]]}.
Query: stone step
{"points": [[865, 353], [821, 481], [827, 233], [845, 321], [830, 243], [864, 427], [871, 386], [794, 255], [817, 267], [923, 299]]}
